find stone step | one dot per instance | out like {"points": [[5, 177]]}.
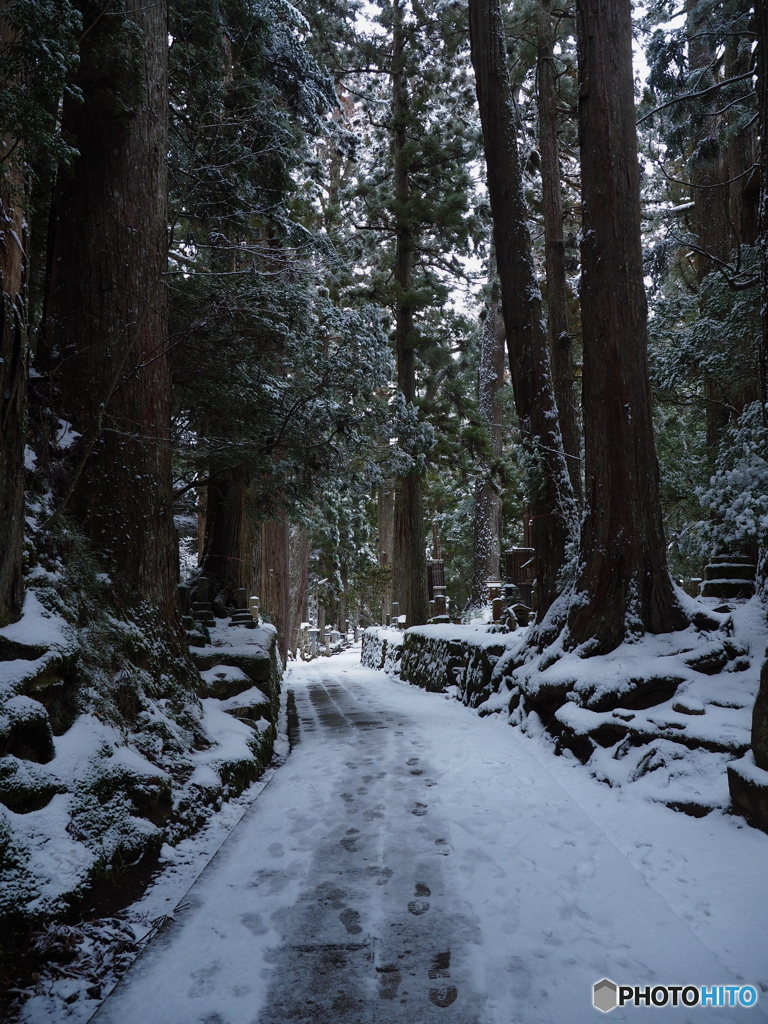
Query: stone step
{"points": [[730, 571], [726, 589], [207, 617], [730, 558]]}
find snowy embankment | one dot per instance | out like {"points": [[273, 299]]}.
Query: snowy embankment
{"points": [[104, 762], [666, 714]]}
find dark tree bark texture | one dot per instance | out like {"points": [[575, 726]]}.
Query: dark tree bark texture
{"points": [[554, 246], [105, 341], [624, 583], [224, 553], [386, 518], [487, 517], [409, 584], [13, 390], [550, 493], [274, 587], [301, 549], [760, 712]]}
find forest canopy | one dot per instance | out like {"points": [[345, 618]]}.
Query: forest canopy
{"points": [[318, 275]]}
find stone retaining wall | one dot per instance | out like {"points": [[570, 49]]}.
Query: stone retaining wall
{"points": [[435, 658]]}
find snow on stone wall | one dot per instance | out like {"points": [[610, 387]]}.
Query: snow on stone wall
{"points": [[668, 714], [101, 763]]}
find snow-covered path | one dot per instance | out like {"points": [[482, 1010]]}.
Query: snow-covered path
{"points": [[412, 863]]}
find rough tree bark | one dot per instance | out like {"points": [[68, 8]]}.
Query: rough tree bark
{"points": [[550, 493], [487, 517], [105, 341], [301, 549], [225, 551], [409, 583], [711, 194], [624, 585], [386, 510], [760, 712], [274, 586], [725, 207], [13, 377], [554, 246]]}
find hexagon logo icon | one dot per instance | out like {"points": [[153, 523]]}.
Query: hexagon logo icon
{"points": [[605, 995]]}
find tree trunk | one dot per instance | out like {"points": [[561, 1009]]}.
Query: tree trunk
{"points": [[487, 517], [554, 247], [386, 508], [13, 381], [274, 588], [761, 21], [760, 712], [13, 403], [13, 356], [725, 205], [711, 196], [550, 492], [225, 553], [106, 327], [409, 583], [301, 549], [623, 553]]}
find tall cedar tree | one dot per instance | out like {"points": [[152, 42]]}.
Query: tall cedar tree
{"points": [[409, 582], [13, 372], [554, 242], [406, 206], [487, 512], [760, 713], [105, 331], [624, 585], [550, 493]]}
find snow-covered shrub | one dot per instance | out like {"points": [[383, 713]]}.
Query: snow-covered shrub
{"points": [[737, 496]]}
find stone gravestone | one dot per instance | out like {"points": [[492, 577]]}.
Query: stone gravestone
{"points": [[201, 606], [520, 570], [242, 615]]}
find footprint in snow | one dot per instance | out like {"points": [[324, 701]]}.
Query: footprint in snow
{"points": [[351, 921], [412, 760], [418, 907], [419, 809], [203, 980], [441, 965], [422, 890], [254, 924], [443, 996], [373, 812], [389, 981]]}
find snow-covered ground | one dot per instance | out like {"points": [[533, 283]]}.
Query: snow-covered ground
{"points": [[413, 862]]}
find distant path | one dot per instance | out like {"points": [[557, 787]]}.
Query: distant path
{"points": [[410, 864]]}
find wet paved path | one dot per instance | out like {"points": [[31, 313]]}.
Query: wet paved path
{"points": [[407, 865]]}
